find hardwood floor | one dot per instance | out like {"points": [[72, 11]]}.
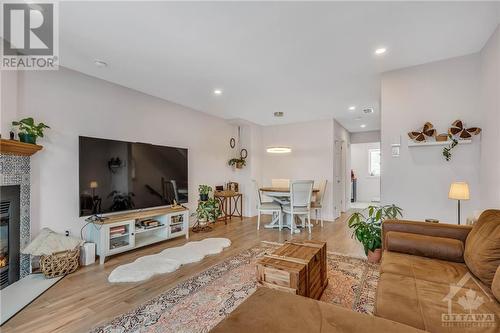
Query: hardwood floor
{"points": [[85, 299]]}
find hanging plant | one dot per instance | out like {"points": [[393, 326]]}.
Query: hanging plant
{"points": [[447, 149], [239, 163]]}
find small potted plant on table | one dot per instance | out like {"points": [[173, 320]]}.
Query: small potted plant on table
{"points": [[367, 228], [28, 130], [204, 191]]}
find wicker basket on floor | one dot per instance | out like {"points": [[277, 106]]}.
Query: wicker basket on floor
{"points": [[60, 263]]}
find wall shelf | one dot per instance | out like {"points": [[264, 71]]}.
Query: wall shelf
{"points": [[436, 143], [13, 147]]}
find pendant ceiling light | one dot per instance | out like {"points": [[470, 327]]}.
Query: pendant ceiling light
{"points": [[279, 150]]}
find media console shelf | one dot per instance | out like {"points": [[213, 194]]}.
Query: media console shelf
{"points": [[123, 232]]}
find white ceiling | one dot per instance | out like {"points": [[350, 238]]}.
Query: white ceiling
{"points": [[309, 60]]}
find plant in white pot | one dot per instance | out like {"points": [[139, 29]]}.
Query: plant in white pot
{"points": [[208, 211], [367, 228]]}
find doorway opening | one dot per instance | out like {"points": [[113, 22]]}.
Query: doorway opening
{"points": [[365, 174]]}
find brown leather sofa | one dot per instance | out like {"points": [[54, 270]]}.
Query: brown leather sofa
{"points": [[427, 269]]}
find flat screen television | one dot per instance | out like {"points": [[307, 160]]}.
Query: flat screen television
{"points": [[118, 176]]}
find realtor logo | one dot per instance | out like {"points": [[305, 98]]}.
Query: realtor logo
{"points": [[29, 36], [467, 311]]}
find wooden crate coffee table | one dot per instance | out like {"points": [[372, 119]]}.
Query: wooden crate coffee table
{"points": [[298, 268]]}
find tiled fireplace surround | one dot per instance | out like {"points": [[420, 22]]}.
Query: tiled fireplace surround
{"points": [[15, 170]]}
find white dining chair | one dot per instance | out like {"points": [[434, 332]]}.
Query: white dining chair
{"points": [[267, 207], [317, 205], [281, 183], [300, 202]]}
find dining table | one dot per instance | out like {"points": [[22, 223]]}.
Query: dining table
{"points": [[281, 195]]}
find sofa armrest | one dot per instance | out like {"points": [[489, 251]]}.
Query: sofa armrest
{"points": [[444, 230], [426, 239]]}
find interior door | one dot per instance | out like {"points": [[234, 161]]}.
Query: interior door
{"points": [[337, 186]]}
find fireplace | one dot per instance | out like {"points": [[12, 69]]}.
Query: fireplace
{"points": [[10, 233], [15, 224]]}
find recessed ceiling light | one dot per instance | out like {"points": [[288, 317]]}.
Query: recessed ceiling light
{"points": [[380, 50], [217, 92], [100, 63], [352, 108], [362, 125]]}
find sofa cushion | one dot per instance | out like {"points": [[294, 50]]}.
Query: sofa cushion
{"points": [[482, 247], [422, 304], [495, 286], [427, 269], [269, 310], [425, 246]]}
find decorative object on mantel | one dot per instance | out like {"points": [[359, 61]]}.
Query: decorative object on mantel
{"points": [[12, 147], [59, 254], [29, 130], [368, 228], [420, 136]]}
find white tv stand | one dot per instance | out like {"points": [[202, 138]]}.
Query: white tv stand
{"points": [[119, 233]]}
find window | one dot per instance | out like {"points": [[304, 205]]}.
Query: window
{"points": [[374, 162]]}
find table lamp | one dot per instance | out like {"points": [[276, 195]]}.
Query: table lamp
{"points": [[93, 186], [459, 191]]}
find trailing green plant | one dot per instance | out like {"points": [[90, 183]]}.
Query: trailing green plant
{"points": [[367, 224], [29, 127], [204, 189], [208, 210], [447, 150], [238, 162]]}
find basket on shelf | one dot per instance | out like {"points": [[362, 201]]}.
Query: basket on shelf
{"points": [[60, 263]]}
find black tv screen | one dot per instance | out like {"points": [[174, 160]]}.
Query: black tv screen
{"points": [[118, 176]]}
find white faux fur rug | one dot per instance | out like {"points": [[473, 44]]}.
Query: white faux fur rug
{"points": [[167, 260]]}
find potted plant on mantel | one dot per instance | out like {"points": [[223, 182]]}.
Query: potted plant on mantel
{"points": [[204, 191], [239, 163], [368, 228], [28, 130]]}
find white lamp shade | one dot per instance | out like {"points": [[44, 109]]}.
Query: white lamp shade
{"points": [[93, 184], [459, 191]]}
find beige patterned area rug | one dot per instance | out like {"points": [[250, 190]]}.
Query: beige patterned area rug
{"points": [[201, 302]]}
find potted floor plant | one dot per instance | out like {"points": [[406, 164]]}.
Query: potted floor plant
{"points": [[366, 226], [207, 211], [204, 191], [29, 130]]}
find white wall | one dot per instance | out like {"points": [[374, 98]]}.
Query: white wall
{"points": [[490, 106], [74, 104], [368, 187], [365, 137], [311, 156], [8, 101], [419, 180]]}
